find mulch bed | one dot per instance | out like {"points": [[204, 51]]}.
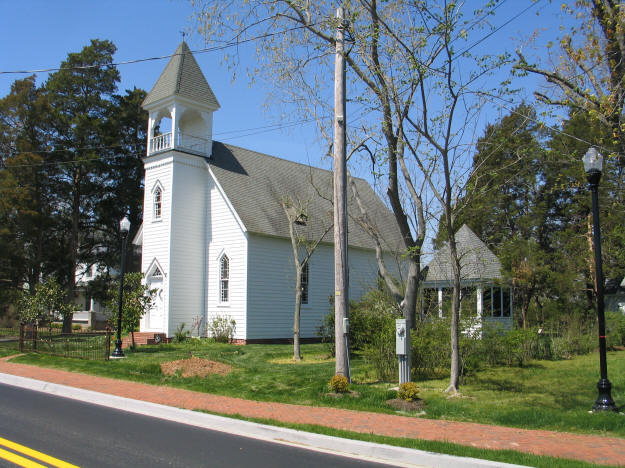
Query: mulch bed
{"points": [[195, 367], [408, 406]]}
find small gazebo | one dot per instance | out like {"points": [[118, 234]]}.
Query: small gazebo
{"points": [[480, 280]]}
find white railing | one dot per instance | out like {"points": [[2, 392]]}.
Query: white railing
{"points": [[160, 143], [183, 141]]}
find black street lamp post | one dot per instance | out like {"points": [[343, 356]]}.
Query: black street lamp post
{"points": [[124, 227], [593, 165]]}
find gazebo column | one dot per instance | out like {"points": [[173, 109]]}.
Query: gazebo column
{"points": [[440, 302], [479, 301]]}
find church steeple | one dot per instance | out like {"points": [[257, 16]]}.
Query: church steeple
{"points": [[182, 96]]}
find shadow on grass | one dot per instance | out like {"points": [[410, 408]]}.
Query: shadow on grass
{"points": [[146, 350]]}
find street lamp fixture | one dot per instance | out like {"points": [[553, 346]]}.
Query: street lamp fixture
{"points": [[124, 227], [593, 165]]}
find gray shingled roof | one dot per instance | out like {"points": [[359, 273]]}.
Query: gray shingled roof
{"points": [[182, 77], [255, 184], [477, 261]]}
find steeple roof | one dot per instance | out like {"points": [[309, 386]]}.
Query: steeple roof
{"points": [[182, 77]]}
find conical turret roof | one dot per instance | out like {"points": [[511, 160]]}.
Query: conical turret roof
{"points": [[477, 261], [182, 77]]}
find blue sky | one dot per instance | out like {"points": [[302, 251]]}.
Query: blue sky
{"points": [[38, 34]]}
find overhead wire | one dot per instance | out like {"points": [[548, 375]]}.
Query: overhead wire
{"points": [[159, 57]]}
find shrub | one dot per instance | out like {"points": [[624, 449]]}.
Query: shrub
{"points": [[339, 384], [430, 348], [381, 352], [181, 334], [615, 329], [75, 326], [517, 345], [408, 391], [222, 328], [367, 318], [371, 331], [138, 299]]}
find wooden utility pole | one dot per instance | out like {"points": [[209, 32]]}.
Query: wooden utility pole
{"points": [[341, 280]]}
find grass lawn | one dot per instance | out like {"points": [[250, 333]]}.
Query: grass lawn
{"points": [[554, 395]]}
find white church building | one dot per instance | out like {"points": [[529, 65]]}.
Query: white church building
{"points": [[215, 237]]}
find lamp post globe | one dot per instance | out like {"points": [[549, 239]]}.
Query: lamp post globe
{"points": [[124, 227], [593, 165]]}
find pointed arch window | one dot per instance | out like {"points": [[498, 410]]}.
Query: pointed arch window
{"points": [[224, 279], [158, 203]]}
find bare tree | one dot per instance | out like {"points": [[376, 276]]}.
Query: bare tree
{"points": [[296, 212], [412, 79]]}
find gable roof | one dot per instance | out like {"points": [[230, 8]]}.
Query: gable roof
{"points": [[182, 77], [256, 184], [477, 261]]}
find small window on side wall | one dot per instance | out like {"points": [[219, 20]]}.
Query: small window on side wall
{"points": [[158, 203], [224, 279]]}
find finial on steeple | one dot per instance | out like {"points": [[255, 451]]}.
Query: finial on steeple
{"points": [[183, 35]]}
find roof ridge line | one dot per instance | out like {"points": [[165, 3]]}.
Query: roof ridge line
{"points": [[285, 160], [180, 68]]}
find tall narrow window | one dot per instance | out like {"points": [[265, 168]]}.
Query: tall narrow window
{"points": [[505, 302], [496, 302], [487, 302], [305, 284], [224, 278], [158, 200]]}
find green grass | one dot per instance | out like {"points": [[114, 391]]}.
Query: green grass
{"points": [[7, 351], [505, 456], [543, 395]]}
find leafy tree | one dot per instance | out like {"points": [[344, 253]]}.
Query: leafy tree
{"points": [[80, 100], [27, 229], [70, 168], [126, 134], [45, 305], [138, 299]]}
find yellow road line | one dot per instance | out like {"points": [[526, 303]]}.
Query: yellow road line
{"points": [[34, 454], [19, 461]]}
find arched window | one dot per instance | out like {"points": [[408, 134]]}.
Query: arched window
{"points": [[224, 278], [158, 203]]}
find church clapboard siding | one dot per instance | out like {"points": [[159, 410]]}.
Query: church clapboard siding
{"points": [[226, 236]]}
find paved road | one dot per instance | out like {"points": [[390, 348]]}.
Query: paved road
{"points": [[94, 436]]}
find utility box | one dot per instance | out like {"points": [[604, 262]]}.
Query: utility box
{"points": [[400, 337], [345, 326]]}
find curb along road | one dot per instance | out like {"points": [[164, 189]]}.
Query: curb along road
{"points": [[397, 456]]}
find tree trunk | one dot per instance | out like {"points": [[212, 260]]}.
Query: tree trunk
{"points": [[297, 356], [73, 260], [454, 376]]}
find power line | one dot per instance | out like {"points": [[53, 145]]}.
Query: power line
{"points": [[479, 41], [160, 57]]}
